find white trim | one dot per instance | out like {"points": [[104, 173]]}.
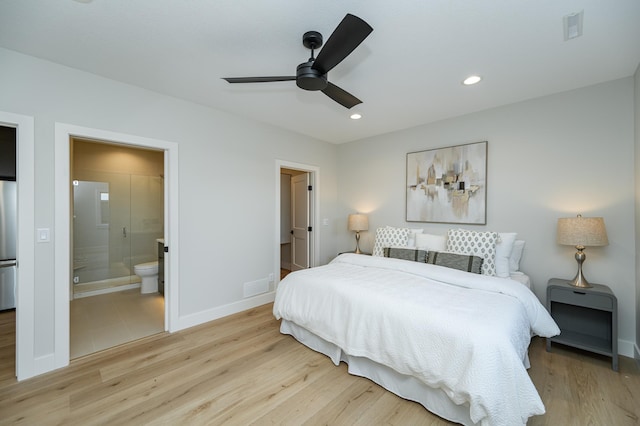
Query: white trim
{"points": [[315, 222], [63, 133], [625, 348], [202, 317], [25, 277]]}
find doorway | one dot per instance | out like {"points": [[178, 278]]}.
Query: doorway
{"points": [[25, 364], [296, 213], [117, 225], [63, 186]]}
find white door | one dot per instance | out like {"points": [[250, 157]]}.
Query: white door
{"points": [[300, 222]]}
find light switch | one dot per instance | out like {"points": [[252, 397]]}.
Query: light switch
{"points": [[325, 222], [42, 235]]}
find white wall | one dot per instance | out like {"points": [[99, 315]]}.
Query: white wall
{"points": [[550, 157], [637, 187], [227, 180]]}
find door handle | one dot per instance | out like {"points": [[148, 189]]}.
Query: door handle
{"points": [[124, 231], [8, 264]]}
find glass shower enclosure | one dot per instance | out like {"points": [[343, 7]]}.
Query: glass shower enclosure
{"points": [[117, 219]]}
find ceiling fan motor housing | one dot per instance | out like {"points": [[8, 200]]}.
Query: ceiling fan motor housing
{"points": [[308, 78]]}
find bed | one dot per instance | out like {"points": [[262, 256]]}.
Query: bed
{"points": [[453, 341]]}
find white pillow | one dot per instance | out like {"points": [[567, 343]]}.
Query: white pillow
{"points": [[481, 244], [516, 255], [411, 242], [504, 247], [389, 237], [431, 242]]}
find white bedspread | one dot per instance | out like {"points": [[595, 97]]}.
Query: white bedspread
{"points": [[464, 333]]}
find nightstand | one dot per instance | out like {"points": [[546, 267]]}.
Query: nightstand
{"points": [[587, 317]]}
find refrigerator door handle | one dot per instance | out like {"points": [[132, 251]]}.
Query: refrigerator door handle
{"points": [[8, 263]]}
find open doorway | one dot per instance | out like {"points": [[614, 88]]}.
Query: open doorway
{"points": [[63, 208], [117, 245], [296, 211]]}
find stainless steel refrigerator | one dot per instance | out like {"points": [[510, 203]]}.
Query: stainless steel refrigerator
{"points": [[8, 243]]}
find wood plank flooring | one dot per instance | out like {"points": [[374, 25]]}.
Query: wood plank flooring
{"points": [[240, 370]]}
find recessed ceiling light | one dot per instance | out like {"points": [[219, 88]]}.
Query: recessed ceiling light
{"points": [[473, 79], [356, 116]]}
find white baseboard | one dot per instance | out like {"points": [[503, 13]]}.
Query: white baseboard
{"points": [[625, 348], [42, 364], [198, 318]]}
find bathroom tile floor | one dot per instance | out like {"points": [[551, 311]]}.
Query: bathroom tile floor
{"points": [[107, 320]]}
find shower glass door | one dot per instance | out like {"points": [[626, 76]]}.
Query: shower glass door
{"points": [[116, 221]]}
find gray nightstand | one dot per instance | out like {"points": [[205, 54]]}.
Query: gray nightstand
{"points": [[587, 317]]}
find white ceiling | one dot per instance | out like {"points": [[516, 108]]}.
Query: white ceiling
{"points": [[407, 72]]}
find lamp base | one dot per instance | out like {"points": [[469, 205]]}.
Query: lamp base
{"points": [[579, 280], [357, 251]]}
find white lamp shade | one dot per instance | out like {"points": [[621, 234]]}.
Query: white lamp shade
{"points": [[358, 222], [582, 231]]}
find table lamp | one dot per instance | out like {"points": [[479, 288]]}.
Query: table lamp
{"points": [[358, 222], [581, 232]]}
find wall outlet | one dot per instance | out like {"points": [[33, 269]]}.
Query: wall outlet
{"points": [[271, 279], [76, 280]]}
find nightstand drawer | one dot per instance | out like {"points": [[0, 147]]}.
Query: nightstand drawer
{"points": [[580, 298]]}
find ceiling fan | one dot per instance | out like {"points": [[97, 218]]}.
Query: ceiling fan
{"points": [[312, 75]]}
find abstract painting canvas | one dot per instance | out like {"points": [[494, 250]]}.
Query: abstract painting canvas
{"points": [[448, 185]]}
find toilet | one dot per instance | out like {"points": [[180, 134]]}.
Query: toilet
{"points": [[149, 274]]}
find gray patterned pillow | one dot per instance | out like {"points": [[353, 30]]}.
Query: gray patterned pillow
{"points": [[389, 237], [481, 244], [462, 262], [406, 254]]}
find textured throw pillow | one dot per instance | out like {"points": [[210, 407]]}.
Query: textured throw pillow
{"points": [[406, 254], [462, 262], [504, 247], [481, 244], [389, 237], [516, 256], [431, 242]]}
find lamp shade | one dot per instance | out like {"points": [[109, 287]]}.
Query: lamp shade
{"points": [[582, 231], [358, 222]]}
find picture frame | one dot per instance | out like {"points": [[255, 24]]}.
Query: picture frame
{"points": [[448, 185]]}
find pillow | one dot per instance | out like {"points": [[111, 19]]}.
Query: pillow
{"points": [[516, 255], [463, 262], [406, 254], [481, 244], [431, 242], [504, 247], [413, 232], [389, 237]]}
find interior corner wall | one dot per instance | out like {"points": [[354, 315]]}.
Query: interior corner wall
{"points": [[226, 188], [637, 210], [550, 157]]}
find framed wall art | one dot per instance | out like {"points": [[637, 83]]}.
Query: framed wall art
{"points": [[448, 185]]}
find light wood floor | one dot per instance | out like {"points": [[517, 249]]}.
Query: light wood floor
{"points": [[240, 370]]}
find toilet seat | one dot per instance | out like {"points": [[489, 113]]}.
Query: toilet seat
{"points": [[146, 266]]}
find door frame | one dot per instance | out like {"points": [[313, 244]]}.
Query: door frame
{"points": [[314, 244], [25, 273], [63, 272]]}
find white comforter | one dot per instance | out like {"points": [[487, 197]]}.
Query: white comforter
{"points": [[464, 333]]}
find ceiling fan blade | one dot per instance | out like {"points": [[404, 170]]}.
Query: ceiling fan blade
{"points": [[348, 35], [258, 79], [342, 97]]}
